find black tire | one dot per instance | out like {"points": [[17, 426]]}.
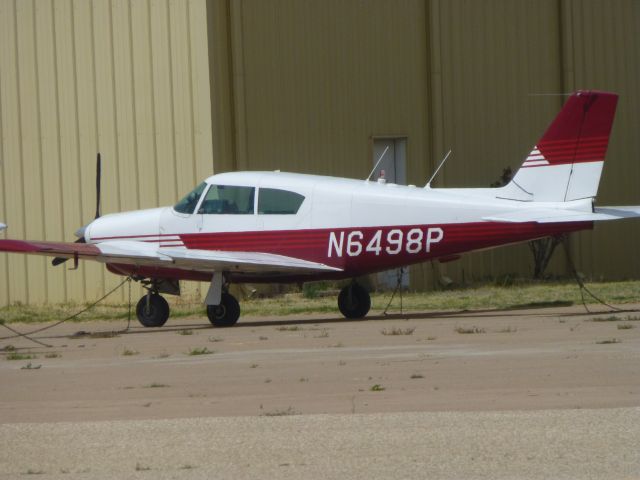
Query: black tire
{"points": [[354, 301], [226, 314], [156, 314]]}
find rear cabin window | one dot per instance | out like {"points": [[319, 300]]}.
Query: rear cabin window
{"points": [[227, 199], [190, 200], [272, 201]]}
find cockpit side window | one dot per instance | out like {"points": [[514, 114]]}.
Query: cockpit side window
{"points": [[190, 200], [227, 199], [272, 201]]}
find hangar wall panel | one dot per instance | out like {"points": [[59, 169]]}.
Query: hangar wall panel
{"points": [[313, 81], [128, 78], [603, 52]]}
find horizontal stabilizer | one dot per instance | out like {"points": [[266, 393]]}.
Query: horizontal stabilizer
{"points": [[557, 215]]}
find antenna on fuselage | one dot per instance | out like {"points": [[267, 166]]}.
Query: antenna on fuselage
{"points": [[428, 185], [377, 163]]}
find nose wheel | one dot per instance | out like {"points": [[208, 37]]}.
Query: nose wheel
{"points": [[225, 314], [152, 310]]}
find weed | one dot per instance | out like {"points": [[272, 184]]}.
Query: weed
{"points": [[608, 341], [337, 345], [280, 413], [263, 338], [254, 365], [323, 334], [142, 468], [508, 330], [9, 348], [377, 388], [200, 351], [469, 330], [128, 352], [156, 385], [34, 472], [216, 339], [185, 332], [342, 363], [20, 356], [416, 375], [431, 338], [186, 467], [163, 355], [52, 355], [625, 326], [303, 379], [30, 366], [398, 331], [267, 380], [632, 319]]}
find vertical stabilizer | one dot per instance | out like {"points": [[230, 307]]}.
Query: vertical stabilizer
{"points": [[567, 161]]}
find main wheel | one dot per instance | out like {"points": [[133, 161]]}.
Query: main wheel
{"points": [[155, 314], [226, 314], [354, 301]]}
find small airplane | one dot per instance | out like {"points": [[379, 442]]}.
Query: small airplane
{"points": [[284, 227]]}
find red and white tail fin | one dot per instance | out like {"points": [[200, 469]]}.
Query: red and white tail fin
{"points": [[566, 163]]}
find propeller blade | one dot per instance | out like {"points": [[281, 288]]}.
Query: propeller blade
{"points": [[98, 179]]}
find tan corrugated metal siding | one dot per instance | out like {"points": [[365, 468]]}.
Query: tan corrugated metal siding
{"points": [[127, 78]]}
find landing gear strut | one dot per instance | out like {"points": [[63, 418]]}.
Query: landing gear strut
{"points": [[152, 310], [225, 314], [354, 301]]}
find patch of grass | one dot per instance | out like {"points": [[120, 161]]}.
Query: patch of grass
{"points": [[303, 379], [342, 363], [398, 331], [263, 338], [337, 345], [127, 352], [253, 365], [508, 330], [34, 472], [156, 385], [104, 334], [216, 339], [186, 467], [625, 326], [9, 348], [611, 318], [280, 413], [291, 328], [20, 356], [142, 468], [30, 366], [185, 332], [52, 355], [377, 388], [200, 351], [416, 375], [431, 338], [608, 341], [467, 330]]}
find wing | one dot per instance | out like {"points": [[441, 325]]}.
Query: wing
{"points": [[141, 253], [558, 215]]}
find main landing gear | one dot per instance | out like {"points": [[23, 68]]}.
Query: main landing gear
{"points": [[225, 314], [354, 301]]}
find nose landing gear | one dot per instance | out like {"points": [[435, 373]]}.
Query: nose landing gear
{"points": [[152, 310]]}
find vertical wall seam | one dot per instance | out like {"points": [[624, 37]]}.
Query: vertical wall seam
{"points": [[4, 195], [59, 142], [95, 103], [136, 147], [20, 142], [153, 107], [172, 99], [191, 101], [81, 220], [40, 147], [114, 92]]}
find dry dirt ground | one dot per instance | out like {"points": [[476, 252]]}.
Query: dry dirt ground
{"points": [[547, 393]]}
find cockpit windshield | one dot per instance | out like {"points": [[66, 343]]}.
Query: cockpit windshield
{"points": [[189, 202]]}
